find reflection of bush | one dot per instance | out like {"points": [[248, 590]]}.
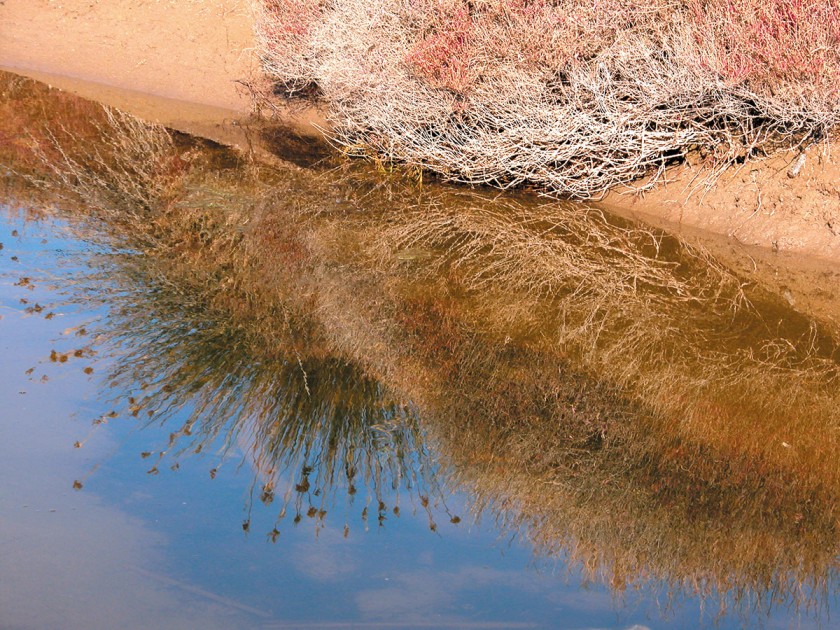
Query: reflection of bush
{"points": [[315, 423], [573, 95], [608, 390], [714, 362], [218, 351], [23, 112]]}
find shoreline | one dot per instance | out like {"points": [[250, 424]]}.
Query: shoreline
{"points": [[754, 204], [230, 127], [805, 282], [120, 54]]}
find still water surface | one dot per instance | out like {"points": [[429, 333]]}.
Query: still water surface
{"points": [[235, 394], [139, 550]]}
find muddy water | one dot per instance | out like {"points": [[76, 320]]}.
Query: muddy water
{"points": [[309, 393]]}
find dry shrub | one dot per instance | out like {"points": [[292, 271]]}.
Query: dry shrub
{"points": [[283, 30], [787, 50], [458, 42], [443, 55], [573, 96]]}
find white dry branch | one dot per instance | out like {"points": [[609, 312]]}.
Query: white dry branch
{"points": [[648, 92]]}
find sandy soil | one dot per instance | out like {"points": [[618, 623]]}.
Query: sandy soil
{"points": [[758, 203], [187, 63], [188, 50]]}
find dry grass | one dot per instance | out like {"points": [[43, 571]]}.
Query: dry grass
{"points": [[573, 96]]}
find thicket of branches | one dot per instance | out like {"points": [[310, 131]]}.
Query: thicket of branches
{"points": [[575, 96]]}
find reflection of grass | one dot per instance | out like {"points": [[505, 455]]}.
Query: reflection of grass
{"points": [[24, 110], [129, 169], [715, 362], [210, 348], [581, 474], [314, 418], [613, 392]]}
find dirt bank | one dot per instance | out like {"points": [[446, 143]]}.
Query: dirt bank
{"points": [[757, 203], [188, 64], [187, 50]]}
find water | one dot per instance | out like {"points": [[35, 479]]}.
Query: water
{"points": [[330, 397], [137, 550]]}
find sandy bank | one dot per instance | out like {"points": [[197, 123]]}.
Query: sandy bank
{"points": [[758, 203], [187, 50], [187, 64]]}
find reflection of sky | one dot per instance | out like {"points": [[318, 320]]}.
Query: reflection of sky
{"points": [[68, 559], [132, 550]]}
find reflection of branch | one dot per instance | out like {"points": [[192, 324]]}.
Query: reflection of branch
{"points": [[297, 354], [629, 410]]}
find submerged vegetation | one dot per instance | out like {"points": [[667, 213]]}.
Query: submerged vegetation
{"points": [[609, 391], [575, 96]]}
